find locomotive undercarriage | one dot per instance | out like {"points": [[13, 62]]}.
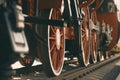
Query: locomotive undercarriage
{"points": [[52, 32]]}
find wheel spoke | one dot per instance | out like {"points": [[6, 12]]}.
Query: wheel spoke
{"points": [[54, 61], [52, 38], [52, 47], [52, 30], [58, 59], [83, 35], [83, 30]]}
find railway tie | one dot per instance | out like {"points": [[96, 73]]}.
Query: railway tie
{"points": [[98, 71]]}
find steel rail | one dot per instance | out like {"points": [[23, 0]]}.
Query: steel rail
{"points": [[68, 73]]}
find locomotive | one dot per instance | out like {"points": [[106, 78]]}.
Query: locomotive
{"points": [[42, 29]]}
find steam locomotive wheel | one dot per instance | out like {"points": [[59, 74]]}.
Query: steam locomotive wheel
{"points": [[85, 42], [85, 39], [52, 55], [94, 48], [27, 61]]}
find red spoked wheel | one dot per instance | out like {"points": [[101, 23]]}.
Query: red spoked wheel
{"points": [[94, 47], [26, 61], [85, 39], [52, 55]]}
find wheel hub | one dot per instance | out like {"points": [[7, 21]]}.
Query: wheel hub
{"points": [[58, 38]]}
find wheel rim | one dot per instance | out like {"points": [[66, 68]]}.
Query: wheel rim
{"points": [[85, 39], [94, 47], [56, 43]]}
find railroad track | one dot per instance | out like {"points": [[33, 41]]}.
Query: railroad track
{"points": [[70, 71]]}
